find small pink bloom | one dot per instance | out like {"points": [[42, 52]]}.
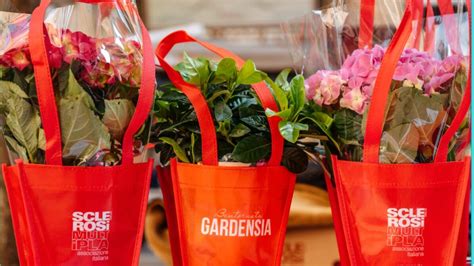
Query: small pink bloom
{"points": [[407, 71], [312, 83], [330, 87], [78, 46], [98, 75], [355, 100], [436, 83], [55, 56], [18, 58], [324, 87]]}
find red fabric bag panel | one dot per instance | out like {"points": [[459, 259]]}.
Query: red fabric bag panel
{"points": [[65, 215], [78, 215], [224, 215]]}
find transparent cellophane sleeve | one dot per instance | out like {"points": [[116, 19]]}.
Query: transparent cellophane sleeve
{"points": [[95, 55], [428, 85]]}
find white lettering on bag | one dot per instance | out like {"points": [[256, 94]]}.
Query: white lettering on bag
{"points": [[90, 234], [405, 230], [236, 224]]}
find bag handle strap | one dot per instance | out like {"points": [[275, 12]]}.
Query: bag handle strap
{"points": [[46, 98], [367, 14], [443, 150], [379, 99], [209, 138]]}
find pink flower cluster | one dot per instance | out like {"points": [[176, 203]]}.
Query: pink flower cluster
{"points": [[352, 86], [104, 61]]}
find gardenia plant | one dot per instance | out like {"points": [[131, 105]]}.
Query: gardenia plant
{"points": [[239, 119], [96, 84]]}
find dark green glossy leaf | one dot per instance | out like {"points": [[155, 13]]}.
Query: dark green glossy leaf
{"points": [[251, 149], [239, 131], [222, 112]]}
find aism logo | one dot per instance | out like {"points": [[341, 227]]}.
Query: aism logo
{"points": [[90, 234], [405, 230]]}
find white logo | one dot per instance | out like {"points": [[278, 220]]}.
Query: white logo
{"points": [[405, 230], [90, 234]]}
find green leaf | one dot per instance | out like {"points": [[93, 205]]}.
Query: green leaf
{"points": [[19, 80], [297, 94], [426, 113], [239, 131], [249, 74], [226, 71], [399, 144], [323, 119], [280, 94], [7, 87], [17, 148], [291, 130], [194, 71], [83, 133], [348, 126], [251, 149], [176, 148], [41, 140], [284, 115], [74, 89], [3, 71], [253, 119], [117, 116], [282, 79], [222, 112], [24, 123], [295, 160]]}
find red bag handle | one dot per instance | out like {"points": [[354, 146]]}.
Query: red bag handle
{"points": [[366, 25], [443, 150], [209, 138], [367, 13], [46, 98], [379, 99]]}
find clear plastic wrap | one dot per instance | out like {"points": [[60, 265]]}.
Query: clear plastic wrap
{"points": [[95, 53], [428, 86]]}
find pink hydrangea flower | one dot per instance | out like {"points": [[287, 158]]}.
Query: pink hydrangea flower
{"points": [[324, 87], [361, 67], [78, 46], [445, 71], [18, 58], [355, 100], [98, 75], [55, 56]]}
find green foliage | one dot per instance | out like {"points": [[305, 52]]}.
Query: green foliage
{"points": [[92, 120], [239, 120]]}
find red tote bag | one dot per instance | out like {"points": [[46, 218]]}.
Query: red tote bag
{"points": [[64, 215], [401, 214], [224, 215]]}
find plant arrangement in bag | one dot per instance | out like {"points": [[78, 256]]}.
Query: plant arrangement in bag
{"points": [[96, 85], [240, 121], [425, 95]]}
